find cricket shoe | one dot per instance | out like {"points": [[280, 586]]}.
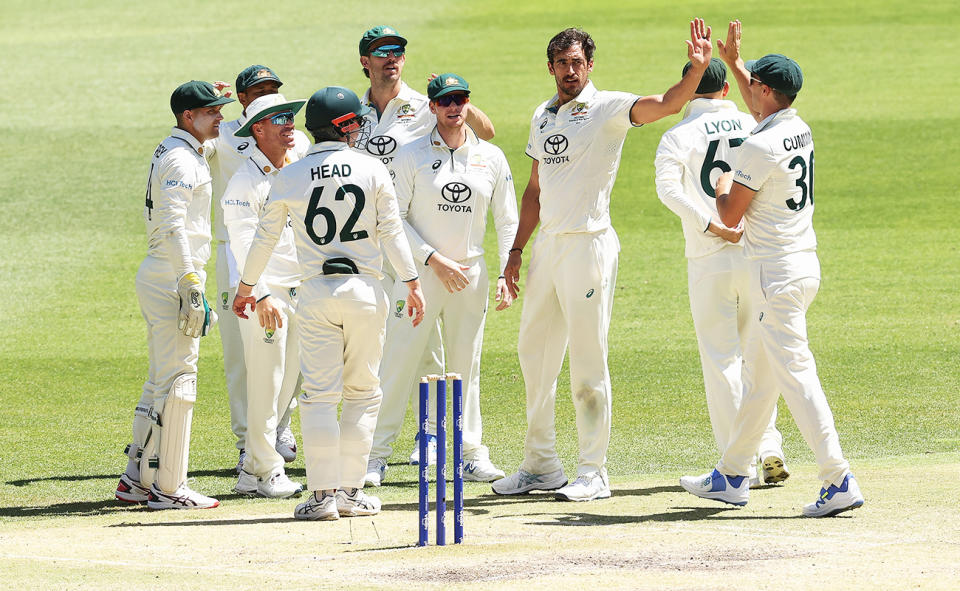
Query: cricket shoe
{"points": [[587, 487], [774, 470], [317, 507], [376, 470], [243, 456], [726, 489], [481, 470], [130, 491], [836, 499], [184, 498], [356, 503], [431, 450], [246, 484], [286, 444], [523, 482], [278, 486]]}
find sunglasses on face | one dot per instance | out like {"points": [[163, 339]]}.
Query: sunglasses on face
{"points": [[282, 118], [448, 99], [386, 50]]}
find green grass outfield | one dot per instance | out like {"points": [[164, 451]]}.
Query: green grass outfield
{"points": [[85, 101]]}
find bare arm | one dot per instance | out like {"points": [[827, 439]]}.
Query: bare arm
{"points": [[529, 218], [657, 106], [479, 121], [733, 199], [730, 54]]}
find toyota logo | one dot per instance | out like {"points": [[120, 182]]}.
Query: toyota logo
{"points": [[555, 144], [455, 192], [381, 145]]}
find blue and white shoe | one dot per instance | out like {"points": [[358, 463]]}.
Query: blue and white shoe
{"points": [[431, 451], [522, 482], [836, 499], [376, 469], [734, 490]]}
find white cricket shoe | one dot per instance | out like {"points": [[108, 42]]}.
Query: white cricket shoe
{"points": [[376, 470], [243, 456], [481, 469], [774, 470], [522, 482], [356, 503], [246, 484], [718, 487], [184, 498], [317, 507], [836, 499], [586, 487], [278, 486], [131, 491], [431, 451], [286, 444]]}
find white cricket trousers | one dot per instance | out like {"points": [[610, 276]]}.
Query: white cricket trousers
{"points": [[273, 374], [778, 359], [341, 325], [463, 315], [569, 299], [234, 366], [722, 308], [170, 352]]}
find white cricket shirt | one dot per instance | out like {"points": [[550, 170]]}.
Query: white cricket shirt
{"points": [[776, 161], [177, 205], [444, 196], [406, 117], [578, 146], [242, 203], [690, 157], [341, 203]]}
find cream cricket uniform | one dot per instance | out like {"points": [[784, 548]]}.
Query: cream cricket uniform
{"points": [[444, 196], [341, 205], [177, 216], [228, 155], [271, 356], [777, 162], [573, 271], [690, 157], [406, 117]]}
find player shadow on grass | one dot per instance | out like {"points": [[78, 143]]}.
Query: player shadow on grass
{"points": [[679, 514], [223, 473]]}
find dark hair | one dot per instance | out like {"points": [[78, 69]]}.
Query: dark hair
{"points": [[567, 38], [326, 133], [784, 100]]}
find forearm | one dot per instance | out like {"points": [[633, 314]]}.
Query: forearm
{"points": [[480, 123], [529, 217]]}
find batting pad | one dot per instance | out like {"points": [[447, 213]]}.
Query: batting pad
{"points": [[174, 431]]}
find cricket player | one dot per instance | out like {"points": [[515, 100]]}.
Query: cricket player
{"points": [[270, 342], [446, 182], [170, 291], [772, 190], [575, 142], [690, 154], [228, 153], [399, 115], [343, 210]]}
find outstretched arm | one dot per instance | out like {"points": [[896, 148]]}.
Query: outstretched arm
{"points": [[479, 121], [730, 54], [654, 107]]}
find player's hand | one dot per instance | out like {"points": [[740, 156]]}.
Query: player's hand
{"points": [[503, 294], [731, 235], [194, 310], [450, 273], [242, 299], [269, 314], [700, 47], [220, 85], [431, 77], [415, 302], [724, 184], [511, 273], [730, 51]]}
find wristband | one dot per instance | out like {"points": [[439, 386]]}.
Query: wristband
{"points": [[502, 277], [520, 250]]}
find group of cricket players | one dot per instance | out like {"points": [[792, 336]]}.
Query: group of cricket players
{"points": [[350, 263]]}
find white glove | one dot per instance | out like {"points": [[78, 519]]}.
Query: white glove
{"points": [[194, 311]]}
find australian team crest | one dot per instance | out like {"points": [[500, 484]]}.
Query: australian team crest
{"points": [[400, 306], [223, 299]]}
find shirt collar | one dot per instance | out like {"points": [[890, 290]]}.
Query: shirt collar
{"points": [[436, 140], [188, 137], [405, 94], [264, 164], [586, 95], [327, 147], [705, 105], [775, 117]]}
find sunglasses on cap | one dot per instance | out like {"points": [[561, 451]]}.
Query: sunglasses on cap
{"points": [[386, 50], [282, 118], [448, 99]]}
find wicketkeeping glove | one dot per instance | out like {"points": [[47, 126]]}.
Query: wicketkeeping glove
{"points": [[194, 311]]}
